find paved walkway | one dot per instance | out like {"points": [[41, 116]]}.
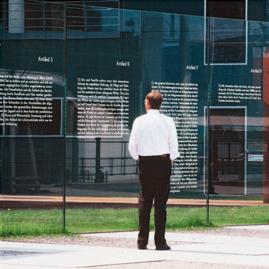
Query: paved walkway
{"points": [[194, 251], [24, 201]]}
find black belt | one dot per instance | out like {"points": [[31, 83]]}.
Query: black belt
{"points": [[163, 155]]}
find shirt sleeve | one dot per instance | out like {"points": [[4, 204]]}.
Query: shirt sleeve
{"points": [[173, 142], [133, 146]]}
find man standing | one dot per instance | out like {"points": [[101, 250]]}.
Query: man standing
{"points": [[153, 142]]}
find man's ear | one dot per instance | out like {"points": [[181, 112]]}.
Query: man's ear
{"points": [[147, 105]]}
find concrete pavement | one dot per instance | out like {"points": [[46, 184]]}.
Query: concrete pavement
{"points": [[194, 248]]}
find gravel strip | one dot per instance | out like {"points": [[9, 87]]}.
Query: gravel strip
{"points": [[130, 243]]}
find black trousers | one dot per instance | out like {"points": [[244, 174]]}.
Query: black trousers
{"points": [[154, 178]]}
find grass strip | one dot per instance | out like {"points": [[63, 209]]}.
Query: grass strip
{"points": [[81, 220]]}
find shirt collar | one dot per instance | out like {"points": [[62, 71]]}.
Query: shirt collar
{"points": [[153, 111]]}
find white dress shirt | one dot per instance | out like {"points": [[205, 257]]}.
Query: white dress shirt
{"points": [[153, 134]]}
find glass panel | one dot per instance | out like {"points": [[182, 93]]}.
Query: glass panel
{"points": [[236, 113], [172, 62], [103, 91], [32, 93]]}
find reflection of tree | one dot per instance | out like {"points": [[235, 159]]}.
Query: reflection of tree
{"points": [[131, 23]]}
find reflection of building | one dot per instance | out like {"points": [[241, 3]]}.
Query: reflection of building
{"points": [[80, 40]]}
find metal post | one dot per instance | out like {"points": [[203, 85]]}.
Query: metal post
{"points": [[44, 19], [229, 158], [140, 64], [4, 19], [97, 159], [82, 169], [64, 140], [208, 113], [124, 158]]}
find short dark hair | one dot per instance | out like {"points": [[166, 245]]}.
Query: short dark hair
{"points": [[155, 99]]}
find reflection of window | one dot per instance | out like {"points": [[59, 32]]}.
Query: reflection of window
{"points": [[234, 9], [37, 117], [44, 16], [84, 19], [2, 16], [227, 41], [227, 31]]}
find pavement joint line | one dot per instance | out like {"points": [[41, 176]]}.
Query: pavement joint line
{"points": [[252, 227]]}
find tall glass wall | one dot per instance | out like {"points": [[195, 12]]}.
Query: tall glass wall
{"points": [[73, 78]]}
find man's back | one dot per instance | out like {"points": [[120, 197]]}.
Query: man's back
{"points": [[153, 134]]}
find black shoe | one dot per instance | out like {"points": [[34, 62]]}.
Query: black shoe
{"points": [[141, 247], [165, 247]]}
